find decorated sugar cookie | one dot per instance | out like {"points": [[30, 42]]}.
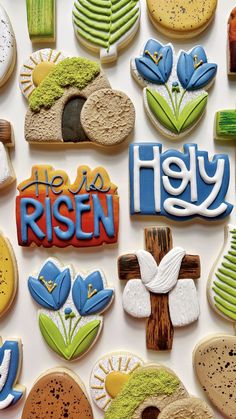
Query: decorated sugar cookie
{"points": [[60, 391], [221, 288], [225, 125], [178, 185], [124, 387], [8, 275], [52, 211], [174, 93], [71, 101], [214, 361], [7, 174], [7, 47], [72, 305], [10, 364], [181, 18], [106, 27], [232, 43], [160, 287], [41, 17]]}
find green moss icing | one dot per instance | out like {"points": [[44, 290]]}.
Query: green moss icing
{"points": [[143, 383], [77, 72]]}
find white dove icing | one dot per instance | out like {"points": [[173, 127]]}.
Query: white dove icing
{"points": [[160, 279], [136, 299], [183, 303], [7, 44]]}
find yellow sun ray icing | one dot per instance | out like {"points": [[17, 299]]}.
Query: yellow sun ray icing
{"points": [[101, 397], [56, 57], [28, 66], [103, 369], [99, 378], [127, 364], [98, 387], [135, 367], [33, 60], [110, 363], [119, 363], [106, 403]]}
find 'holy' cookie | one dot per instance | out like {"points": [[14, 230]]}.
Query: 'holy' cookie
{"points": [[41, 18], [106, 27], [8, 275], [59, 393], [181, 18], [10, 366], [7, 47], [7, 174], [71, 101], [214, 361], [72, 305], [174, 86]]}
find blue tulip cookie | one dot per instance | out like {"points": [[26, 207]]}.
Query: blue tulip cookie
{"points": [[175, 96], [70, 318]]}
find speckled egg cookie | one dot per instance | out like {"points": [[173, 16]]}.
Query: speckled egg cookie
{"points": [[181, 18]]}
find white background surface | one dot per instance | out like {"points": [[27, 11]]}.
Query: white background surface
{"points": [[205, 239]]}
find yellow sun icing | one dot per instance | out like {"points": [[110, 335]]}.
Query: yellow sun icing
{"points": [[114, 382], [41, 71]]}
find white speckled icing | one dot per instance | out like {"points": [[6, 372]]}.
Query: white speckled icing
{"points": [[183, 303], [4, 370], [6, 170], [136, 299], [7, 45]]}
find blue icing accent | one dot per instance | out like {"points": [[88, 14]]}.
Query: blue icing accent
{"points": [[80, 208], [50, 276], [61, 234], [155, 65], [100, 217], [49, 218], [29, 220], [8, 386], [178, 185], [193, 70], [89, 295]]}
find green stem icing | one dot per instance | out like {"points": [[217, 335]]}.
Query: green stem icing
{"points": [[180, 101], [64, 328], [74, 328], [69, 332], [171, 99]]}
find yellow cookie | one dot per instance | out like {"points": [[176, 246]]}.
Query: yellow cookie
{"points": [[181, 18], [8, 275]]}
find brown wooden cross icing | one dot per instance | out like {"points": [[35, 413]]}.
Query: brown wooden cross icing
{"points": [[6, 133], [158, 241]]}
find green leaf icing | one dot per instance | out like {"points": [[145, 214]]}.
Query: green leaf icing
{"points": [[84, 339], [76, 72], [104, 22], [192, 112], [41, 18], [224, 286], [52, 335], [161, 110], [145, 382], [225, 125]]}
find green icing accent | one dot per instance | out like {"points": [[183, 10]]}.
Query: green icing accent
{"points": [[161, 110], [192, 112], [41, 18], [77, 72], [143, 383], [102, 22], [224, 288], [226, 125]]}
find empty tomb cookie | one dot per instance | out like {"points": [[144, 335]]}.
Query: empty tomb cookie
{"points": [[174, 87], [7, 47], [7, 174], [214, 361], [72, 305], [221, 287], [181, 18], [41, 19], [52, 211], [124, 387], [58, 392], [106, 27], [71, 101], [8, 275], [10, 365]]}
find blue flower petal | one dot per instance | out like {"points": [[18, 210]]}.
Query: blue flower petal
{"points": [[49, 271], [185, 68], [79, 293], [98, 303], [202, 76], [149, 70], [166, 63], [152, 46], [61, 291], [40, 294], [200, 52], [95, 278]]}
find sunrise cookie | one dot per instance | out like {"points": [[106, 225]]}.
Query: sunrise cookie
{"points": [[7, 174], [106, 27], [7, 47], [41, 18], [221, 288], [181, 18], [214, 362], [8, 275], [72, 305], [61, 392], [10, 365], [174, 87]]}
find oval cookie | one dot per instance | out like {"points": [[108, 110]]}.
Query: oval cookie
{"points": [[59, 393], [8, 275], [7, 47]]}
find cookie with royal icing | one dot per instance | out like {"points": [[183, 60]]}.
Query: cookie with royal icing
{"points": [[71, 101], [7, 174], [58, 392], [181, 18], [214, 361], [10, 365], [7, 47], [232, 43], [106, 27], [225, 125], [72, 307], [8, 275], [41, 19], [221, 288], [174, 86]]}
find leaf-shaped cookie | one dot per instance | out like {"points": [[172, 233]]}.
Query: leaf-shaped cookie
{"points": [[84, 339], [161, 110], [192, 112], [106, 26], [52, 335]]}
